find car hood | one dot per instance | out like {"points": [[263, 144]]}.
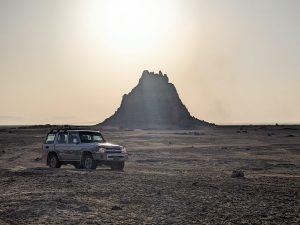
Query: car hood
{"points": [[107, 145]]}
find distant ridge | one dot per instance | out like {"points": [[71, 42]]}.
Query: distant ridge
{"points": [[153, 104]]}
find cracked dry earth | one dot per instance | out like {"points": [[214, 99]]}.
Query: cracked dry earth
{"points": [[172, 177]]}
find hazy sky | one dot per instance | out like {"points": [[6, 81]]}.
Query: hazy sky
{"points": [[70, 61]]}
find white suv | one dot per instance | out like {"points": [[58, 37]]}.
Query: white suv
{"points": [[83, 148]]}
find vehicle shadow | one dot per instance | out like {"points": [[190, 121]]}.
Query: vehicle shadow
{"points": [[53, 171]]}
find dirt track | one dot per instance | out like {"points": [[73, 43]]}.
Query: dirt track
{"points": [[173, 177]]}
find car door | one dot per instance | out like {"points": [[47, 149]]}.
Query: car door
{"points": [[48, 145], [74, 146], [61, 146]]}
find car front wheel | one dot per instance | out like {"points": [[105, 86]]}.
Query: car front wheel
{"points": [[53, 161], [88, 162]]}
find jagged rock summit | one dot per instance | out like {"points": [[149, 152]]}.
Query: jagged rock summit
{"points": [[153, 104]]}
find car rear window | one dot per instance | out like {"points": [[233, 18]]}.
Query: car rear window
{"points": [[50, 139]]}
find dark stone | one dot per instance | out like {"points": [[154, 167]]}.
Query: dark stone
{"points": [[237, 174], [153, 104], [116, 208], [83, 208], [195, 184]]}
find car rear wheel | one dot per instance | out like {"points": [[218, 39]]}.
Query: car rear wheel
{"points": [[54, 161], [117, 165], [88, 162]]}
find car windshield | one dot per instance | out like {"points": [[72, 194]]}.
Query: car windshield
{"points": [[90, 137]]}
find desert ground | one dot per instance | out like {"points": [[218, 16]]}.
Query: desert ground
{"points": [[172, 177]]}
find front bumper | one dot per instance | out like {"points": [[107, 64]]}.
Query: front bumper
{"points": [[110, 156], [116, 157]]}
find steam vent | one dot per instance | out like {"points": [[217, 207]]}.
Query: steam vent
{"points": [[153, 104]]}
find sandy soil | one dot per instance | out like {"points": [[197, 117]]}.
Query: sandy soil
{"points": [[172, 177]]}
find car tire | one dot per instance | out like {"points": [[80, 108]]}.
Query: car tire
{"points": [[117, 165], [54, 161], [88, 162]]}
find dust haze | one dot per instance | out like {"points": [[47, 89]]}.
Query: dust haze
{"points": [[212, 139]]}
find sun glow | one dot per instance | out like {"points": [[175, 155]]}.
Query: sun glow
{"points": [[134, 24]]}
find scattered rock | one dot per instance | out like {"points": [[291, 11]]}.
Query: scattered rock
{"points": [[158, 193], [3, 151], [290, 135], [84, 208], [69, 181], [289, 128], [10, 180], [127, 129], [195, 184], [37, 159], [242, 131], [115, 207], [196, 133], [237, 174]]}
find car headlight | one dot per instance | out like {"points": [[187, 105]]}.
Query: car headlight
{"points": [[101, 150], [124, 150]]}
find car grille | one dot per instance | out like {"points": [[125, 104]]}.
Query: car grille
{"points": [[114, 157], [112, 147], [113, 151]]}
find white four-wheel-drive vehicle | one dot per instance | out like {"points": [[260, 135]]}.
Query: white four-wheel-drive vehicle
{"points": [[84, 149]]}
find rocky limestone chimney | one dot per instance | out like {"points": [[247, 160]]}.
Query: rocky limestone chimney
{"points": [[153, 104]]}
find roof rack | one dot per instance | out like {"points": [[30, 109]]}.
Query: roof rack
{"points": [[65, 128]]}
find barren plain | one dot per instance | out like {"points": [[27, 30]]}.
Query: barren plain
{"points": [[172, 177]]}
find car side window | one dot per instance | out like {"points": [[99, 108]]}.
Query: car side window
{"points": [[62, 138], [50, 138], [73, 138]]}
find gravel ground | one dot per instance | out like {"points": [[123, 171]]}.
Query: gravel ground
{"points": [[172, 177]]}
